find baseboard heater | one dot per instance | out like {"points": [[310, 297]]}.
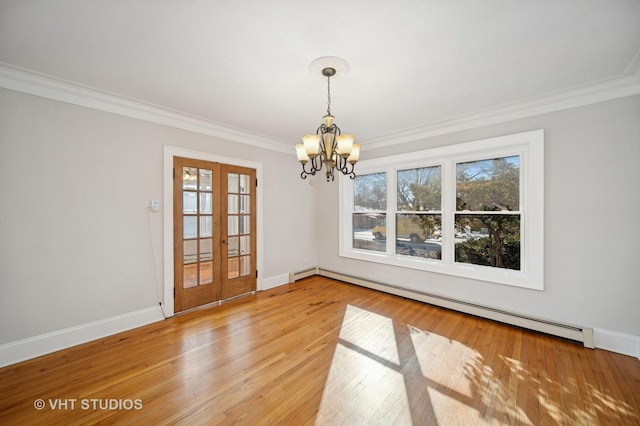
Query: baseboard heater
{"points": [[572, 332]]}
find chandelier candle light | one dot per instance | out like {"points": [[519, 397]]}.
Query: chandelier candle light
{"points": [[328, 147]]}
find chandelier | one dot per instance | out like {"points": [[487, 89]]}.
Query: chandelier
{"points": [[328, 146]]}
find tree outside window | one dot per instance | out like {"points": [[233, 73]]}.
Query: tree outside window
{"points": [[419, 218], [487, 218]]}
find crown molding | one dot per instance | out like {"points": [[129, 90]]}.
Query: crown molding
{"points": [[620, 87], [32, 83], [25, 81]]}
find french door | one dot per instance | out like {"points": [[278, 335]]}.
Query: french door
{"points": [[214, 232], [238, 251]]}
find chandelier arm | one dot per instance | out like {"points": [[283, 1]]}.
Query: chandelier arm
{"points": [[305, 173], [344, 165], [315, 165], [352, 173], [345, 169], [336, 132], [338, 163]]}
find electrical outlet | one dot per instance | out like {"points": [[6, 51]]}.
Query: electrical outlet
{"points": [[154, 206]]}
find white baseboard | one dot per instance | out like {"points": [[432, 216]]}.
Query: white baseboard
{"points": [[21, 350], [275, 281], [613, 341], [621, 343], [568, 331]]}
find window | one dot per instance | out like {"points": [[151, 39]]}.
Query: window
{"points": [[473, 210], [487, 217], [418, 212], [369, 211]]}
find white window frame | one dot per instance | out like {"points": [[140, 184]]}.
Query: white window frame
{"points": [[528, 145]]}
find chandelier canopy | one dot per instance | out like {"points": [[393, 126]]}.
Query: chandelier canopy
{"points": [[328, 146]]}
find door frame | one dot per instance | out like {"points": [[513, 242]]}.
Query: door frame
{"points": [[169, 153]]}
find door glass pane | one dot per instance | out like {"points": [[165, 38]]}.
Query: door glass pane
{"points": [[244, 224], [206, 226], [189, 178], [233, 247], [245, 265], [233, 204], [198, 244], [206, 273], [232, 182], [244, 244], [206, 247], [205, 180], [244, 184], [233, 267], [189, 202], [206, 199], [190, 275], [190, 252], [233, 225], [245, 203], [190, 227]]}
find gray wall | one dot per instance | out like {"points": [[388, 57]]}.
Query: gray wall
{"points": [[76, 236], [592, 206]]}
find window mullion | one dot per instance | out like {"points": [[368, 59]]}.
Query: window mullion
{"points": [[392, 208], [347, 209], [448, 210]]}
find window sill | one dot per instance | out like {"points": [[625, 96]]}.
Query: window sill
{"points": [[463, 270]]}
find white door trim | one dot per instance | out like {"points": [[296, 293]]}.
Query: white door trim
{"points": [[169, 153]]}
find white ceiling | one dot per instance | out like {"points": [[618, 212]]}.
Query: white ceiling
{"points": [[244, 63]]}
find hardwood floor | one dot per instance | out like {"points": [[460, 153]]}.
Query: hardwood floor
{"points": [[323, 352]]}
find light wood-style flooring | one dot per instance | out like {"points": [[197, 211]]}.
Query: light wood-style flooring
{"points": [[324, 352]]}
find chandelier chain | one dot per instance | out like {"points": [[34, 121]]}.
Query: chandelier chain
{"points": [[328, 95]]}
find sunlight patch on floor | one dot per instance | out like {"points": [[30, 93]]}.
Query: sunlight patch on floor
{"points": [[360, 390], [450, 390], [365, 385], [371, 333]]}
